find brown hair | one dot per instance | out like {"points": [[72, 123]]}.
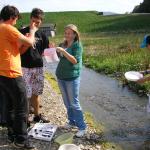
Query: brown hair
{"points": [[37, 13]]}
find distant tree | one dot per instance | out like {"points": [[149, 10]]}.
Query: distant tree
{"points": [[143, 7], [135, 10]]}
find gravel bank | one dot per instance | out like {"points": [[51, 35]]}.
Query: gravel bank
{"points": [[54, 110]]}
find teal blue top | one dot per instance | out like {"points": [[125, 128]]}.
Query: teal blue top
{"points": [[65, 69]]}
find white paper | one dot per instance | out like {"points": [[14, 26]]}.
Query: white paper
{"points": [[51, 55]]}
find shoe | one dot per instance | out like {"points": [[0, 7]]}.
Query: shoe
{"points": [[25, 145], [69, 126], [40, 118], [80, 133], [10, 138]]}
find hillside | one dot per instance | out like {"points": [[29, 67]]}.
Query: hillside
{"points": [[90, 22]]}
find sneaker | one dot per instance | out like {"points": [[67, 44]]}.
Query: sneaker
{"points": [[69, 126], [80, 133], [10, 139], [25, 145], [10, 136], [40, 118]]}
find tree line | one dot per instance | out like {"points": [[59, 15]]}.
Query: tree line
{"points": [[143, 7]]}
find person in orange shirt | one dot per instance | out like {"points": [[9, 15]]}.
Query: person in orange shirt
{"points": [[11, 76]]}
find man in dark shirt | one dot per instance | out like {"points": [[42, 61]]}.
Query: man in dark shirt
{"points": [[32, 64]]}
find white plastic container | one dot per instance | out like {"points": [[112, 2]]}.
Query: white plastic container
{"points": [[51, 55], [133, 75], [69, 147]]}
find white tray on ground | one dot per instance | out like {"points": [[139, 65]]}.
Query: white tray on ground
{"points": [[133, 75], [43, 131]]}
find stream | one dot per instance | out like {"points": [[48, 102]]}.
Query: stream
{"points": [[120, 111]]}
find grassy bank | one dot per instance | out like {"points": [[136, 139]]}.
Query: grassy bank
{"points": [[116, 54], [111, 43]]}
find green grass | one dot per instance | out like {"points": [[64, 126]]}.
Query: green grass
{"points": [[52, 82], [90, 22]]}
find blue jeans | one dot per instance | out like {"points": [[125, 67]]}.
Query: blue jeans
{"points": [[70, 94]]}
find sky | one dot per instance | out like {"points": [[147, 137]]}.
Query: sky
{"points": [[117, 6]]}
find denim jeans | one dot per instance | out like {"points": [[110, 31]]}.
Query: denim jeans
{"points": [[70, 94], [17, 107]]}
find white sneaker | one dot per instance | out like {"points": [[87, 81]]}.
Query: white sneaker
{"points": [[69, 126], [80, 133]]}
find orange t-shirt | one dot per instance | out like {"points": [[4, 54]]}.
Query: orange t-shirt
{"points": [[10, 63]]}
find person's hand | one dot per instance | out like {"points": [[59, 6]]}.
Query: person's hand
{"points": [[33, 27], [59, 49]]}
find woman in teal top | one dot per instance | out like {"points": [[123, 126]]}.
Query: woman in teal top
{"points": [[68, 76]]}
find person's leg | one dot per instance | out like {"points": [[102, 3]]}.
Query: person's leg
{"points": [[35, 103], [73, 95], [7, 98], [27, 76], [17, 103], [63, 89], [20, 110], [37, 90]]}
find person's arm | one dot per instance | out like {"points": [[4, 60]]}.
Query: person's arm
{"points": [[145, 72], [23, 48], [28, 40], [70, 57]]}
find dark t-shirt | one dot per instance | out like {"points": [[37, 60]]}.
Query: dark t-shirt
{"points": [[33, 56]]}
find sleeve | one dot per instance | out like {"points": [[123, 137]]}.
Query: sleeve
{"points": [[13, 34], [77, 51], [45, 41]]}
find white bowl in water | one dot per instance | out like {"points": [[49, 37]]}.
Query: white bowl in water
{"points": [[133, 75], [69, 147]]}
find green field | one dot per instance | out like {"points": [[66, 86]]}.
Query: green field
{"points": [[111, 43], [90, 22]]}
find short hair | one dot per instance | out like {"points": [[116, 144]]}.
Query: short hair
{"points": [[37, 13], [9, 12]]}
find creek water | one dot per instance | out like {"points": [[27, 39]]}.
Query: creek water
{"points": [[120, 111]]}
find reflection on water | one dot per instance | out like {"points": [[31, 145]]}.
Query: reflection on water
{"points": [[148, 104], [122, 112]]}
